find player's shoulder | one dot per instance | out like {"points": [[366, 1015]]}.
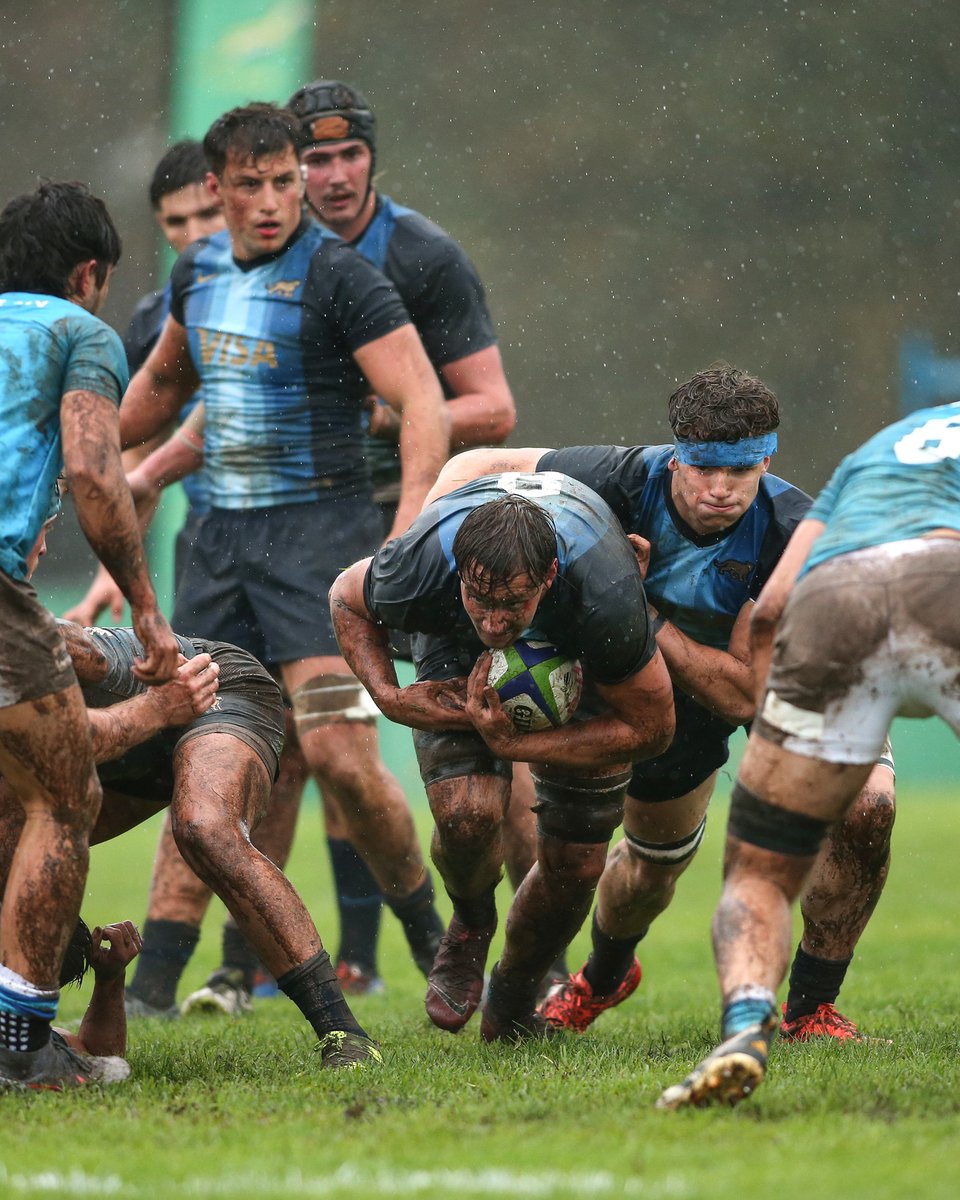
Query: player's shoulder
{"points": [[786, 503], [416, 239]]}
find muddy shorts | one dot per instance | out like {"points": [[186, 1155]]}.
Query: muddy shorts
{"points": [[33, 658], [248, 706], [866, 637]]}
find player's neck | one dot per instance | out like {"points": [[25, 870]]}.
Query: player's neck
{"points": [[358, 226]]}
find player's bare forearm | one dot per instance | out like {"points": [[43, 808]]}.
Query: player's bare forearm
{"points": [[721, 680], [639, 725], [482, 410], [363, 643], [103, 1029], [102, 499], [161, 387]]}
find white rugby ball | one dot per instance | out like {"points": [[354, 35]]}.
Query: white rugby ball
{"points": [[538, 685]]}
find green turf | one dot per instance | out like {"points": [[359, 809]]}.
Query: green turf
{"points": [[240, 1110]]}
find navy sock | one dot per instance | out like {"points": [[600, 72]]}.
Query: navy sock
{"points": [[359, 903], [813, 981], [609, 960], [167, 947], [476, 912], [418, 915], [314, 988]]}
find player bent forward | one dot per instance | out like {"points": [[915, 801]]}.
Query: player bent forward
{"points": [[865, 597], [215, 771], [479, 568]]}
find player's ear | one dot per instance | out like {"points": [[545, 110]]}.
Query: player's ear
{"points": [[213, 185], [552, 573]]}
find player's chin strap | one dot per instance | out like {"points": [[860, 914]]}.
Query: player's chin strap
{"points": [[331, 699], [747, 452]]}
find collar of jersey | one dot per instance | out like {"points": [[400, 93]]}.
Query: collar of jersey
{"points": [[251, 264]]}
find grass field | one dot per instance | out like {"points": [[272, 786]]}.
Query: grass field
{"points": [[239, 1109]]}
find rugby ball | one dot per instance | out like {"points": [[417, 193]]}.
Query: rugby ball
{"points": [[538, 685]]}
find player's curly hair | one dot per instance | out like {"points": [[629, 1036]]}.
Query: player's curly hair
{"points": [[45, 234], [77, 958], [506, 537], [722, 404], [252, 131]]}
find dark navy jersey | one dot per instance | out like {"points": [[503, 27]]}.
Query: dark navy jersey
{"points": [[440, 289], [272, 340], [140, 338], [699, 582], [595, 609]]}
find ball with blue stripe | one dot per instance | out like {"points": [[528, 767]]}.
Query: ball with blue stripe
{"points": [[538, 685]]}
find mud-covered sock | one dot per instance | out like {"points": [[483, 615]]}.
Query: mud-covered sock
{"points": [[314, 988], [25, 1012], [609, 960], [814, 981], [167, 947], [237, 955], [359, 904]]}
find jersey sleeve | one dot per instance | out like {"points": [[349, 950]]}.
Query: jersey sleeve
{"points": [[358, 300], [180, 279], [144, 329], [96, 361], [823, 506], [789, 507], [448, 304]]}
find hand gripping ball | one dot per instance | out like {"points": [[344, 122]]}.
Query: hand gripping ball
{"points": [[538, 685]]}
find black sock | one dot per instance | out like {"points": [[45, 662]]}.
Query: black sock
{"points": [[23, 1033], [237, 954], [814, 981], [609, 959], [359, 903], [418, 915], [167, 947], [315, 990], [476, 912]]}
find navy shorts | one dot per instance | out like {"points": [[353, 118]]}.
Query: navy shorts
{"points": [[248, 707], [700, 746], [259, 578]]}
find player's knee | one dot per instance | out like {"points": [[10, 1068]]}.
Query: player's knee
{"points": [[205, 840], [867, 828], [465, 818], [756, 822]]}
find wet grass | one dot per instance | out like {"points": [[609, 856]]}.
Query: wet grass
{"points": [[240, 1109]]}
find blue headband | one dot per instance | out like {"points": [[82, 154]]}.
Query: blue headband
{"points": [[747, 452]]}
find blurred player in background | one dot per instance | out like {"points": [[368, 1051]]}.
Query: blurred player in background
{"points": [[714, 523], [543, 556], [861, 624], [62, 373]]}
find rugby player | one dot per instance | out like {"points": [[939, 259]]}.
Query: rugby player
{"points": [[288, 329], [544, 556], [713, 523], [860, 622], [61, 377]]}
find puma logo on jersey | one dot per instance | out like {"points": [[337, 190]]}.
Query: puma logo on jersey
{"points": [[740, 571], [206, 278], [230, 349], [285, 288]]}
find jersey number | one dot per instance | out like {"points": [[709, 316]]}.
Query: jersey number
{"points": [[932, 441]]}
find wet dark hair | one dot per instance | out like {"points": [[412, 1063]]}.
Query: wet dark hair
{"points": [[183, 164], [505, 538], [44, 234], [722, 404], [77, 958], [252, 131]]}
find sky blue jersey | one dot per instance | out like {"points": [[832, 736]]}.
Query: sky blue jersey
{"points": [[48, 347], [902, 483]]}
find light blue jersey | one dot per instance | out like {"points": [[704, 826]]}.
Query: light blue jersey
{"points": [[48, 347], [902, 483]]}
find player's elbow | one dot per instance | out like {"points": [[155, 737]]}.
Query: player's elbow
{"points": [[653, 736]]}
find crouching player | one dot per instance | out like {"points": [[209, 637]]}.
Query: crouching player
{"points": [[863, 610]]}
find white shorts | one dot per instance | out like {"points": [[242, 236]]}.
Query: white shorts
{"points": [[866, 637]]}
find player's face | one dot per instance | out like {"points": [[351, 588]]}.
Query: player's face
{"points": [[710, 499], [338, 179], [38, 550], [261, 201], [189, 213], [500, 614]]}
